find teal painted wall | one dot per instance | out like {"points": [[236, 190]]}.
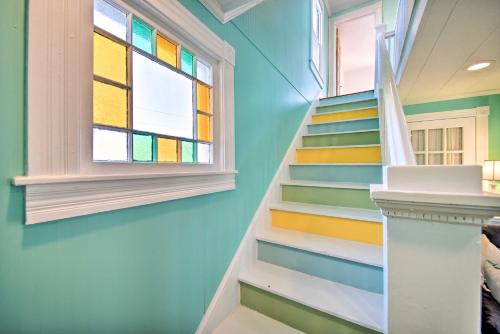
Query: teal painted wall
{"points": [[389, 9], [151, 269], [493, 101]]}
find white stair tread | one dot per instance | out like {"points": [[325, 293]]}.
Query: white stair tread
{"points": [[246, 321], [329, 211], [326, 184], [348, 250], [338, 164], [343, 120], [339, 133], [358, 306], [337, 146]]}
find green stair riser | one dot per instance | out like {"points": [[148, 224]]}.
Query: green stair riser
{"points": [[355, 125], [347, 98], [351, 273], [295, 314], [337, 173], [342, 139], [348, 106], [345, 197]]}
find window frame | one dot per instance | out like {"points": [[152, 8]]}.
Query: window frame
{"points": [[62, 179], [317, 69]]}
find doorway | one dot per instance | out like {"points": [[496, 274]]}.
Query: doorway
{"points": [[354, 50]]}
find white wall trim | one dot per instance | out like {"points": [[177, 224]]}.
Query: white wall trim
{"points": [[227, 296], [334, 21], [225, 16], [61, 175], [452, 97]]}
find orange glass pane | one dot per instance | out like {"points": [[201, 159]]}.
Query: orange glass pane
{"points": [[166, 50], [204, 127], [110, 59], [110, 105], [167, 150], [203, 98]]}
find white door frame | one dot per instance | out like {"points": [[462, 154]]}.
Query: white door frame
{"points": [[333, 23]]}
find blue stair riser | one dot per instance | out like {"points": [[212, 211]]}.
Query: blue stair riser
{"points": [[358, 275], [337, 173], [355, 125], [347, 98], [349, 106]]}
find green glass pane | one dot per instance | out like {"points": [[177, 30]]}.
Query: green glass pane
{"points": [[187, 62], [143, 148], [188, 152], [142, 35]]}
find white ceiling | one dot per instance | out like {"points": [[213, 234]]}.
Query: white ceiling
{"points": [[452, 35], [335, 6]]}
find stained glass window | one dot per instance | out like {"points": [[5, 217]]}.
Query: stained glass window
{"points": [[152, 97]]}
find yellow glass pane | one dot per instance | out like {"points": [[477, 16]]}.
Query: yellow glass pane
{"points": [[110, 59], [167, 150], [204, 127], [110, 105], [203, 98], [166, 50]]}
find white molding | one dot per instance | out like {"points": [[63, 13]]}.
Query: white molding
{"points": [[452, 97], [60, 170], [334, 21], [227, 295], [225, 16]]}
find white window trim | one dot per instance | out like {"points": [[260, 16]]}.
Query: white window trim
{"points": [[480, 114], [59, 182], [314, 68]]}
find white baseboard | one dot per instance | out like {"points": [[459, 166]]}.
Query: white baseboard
{"points": [[227, 296]]}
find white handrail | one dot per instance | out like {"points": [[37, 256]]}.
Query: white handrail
{"points": [[396, 146]]}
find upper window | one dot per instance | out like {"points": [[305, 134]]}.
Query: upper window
{"points": [[317, 40], [151, 96]]}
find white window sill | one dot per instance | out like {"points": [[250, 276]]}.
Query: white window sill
{"points": [[57, 197]]}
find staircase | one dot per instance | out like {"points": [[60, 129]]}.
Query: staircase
{"points": [[319, 267]]}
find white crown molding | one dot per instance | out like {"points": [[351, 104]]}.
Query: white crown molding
{"points": [[225, 16], [440, 115]]}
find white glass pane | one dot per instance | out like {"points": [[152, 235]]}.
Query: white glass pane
{"points": [[436, 158], [162, 98], [203, 72], [420, 158], [204, 153], [418, 140], [435, 140], [110, 145], [110, 18], [454, 159], [315, 53], [454, 140]]}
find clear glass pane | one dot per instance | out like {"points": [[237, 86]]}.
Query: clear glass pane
{"points": [[420, 158], [454, 139], [110, 105], [454, 158], [204, 127], [418, 140], [110, 59], [203, 72], [436, 158], [187, 62], [166, 50], [142, 35], [111, 18], [110, 145], [167, 150], [203, 98], [204, 153], [162, 99], [188, 152], [143, 147], [435, 139]]}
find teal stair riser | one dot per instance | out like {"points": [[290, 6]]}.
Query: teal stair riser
{"points": [[345, 197], [350, 273], [333, 173], [342, 139], [296, 315], [356, 125], [347, 98], [347, 106]]}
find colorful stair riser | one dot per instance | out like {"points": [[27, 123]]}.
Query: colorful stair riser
{"points": [[347, 99], [337, 173], [347, 106], [295, 314], [344, 115], [342, 126], [340, 139], [336, 227], [358, 275]]}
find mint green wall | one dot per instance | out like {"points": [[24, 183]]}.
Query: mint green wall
{"points": [[154, 268], [389, 9], [493, 101]]}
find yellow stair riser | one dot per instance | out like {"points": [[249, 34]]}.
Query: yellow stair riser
{"points": [[341, 228], [344, 115], [340, 155]]}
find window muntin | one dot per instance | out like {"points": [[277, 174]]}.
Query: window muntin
{"points": [[148, 88]]}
